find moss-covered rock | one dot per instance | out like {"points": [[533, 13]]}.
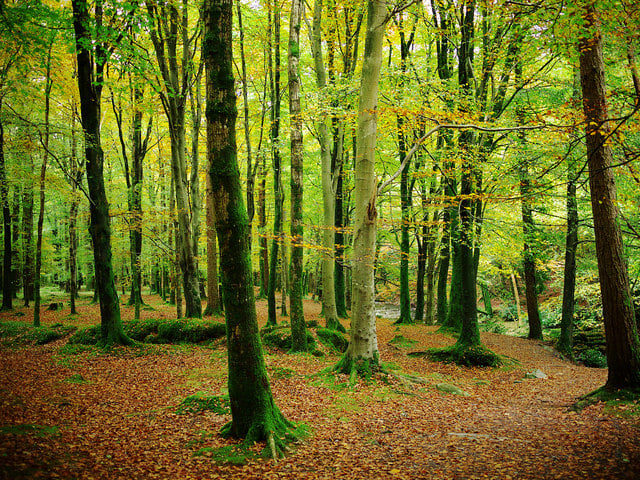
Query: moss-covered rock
{"points": [[332, 339]]}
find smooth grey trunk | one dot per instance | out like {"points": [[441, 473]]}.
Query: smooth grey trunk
{"points": [[363, 343]]}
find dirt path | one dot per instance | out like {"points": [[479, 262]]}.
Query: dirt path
{"points": [[95, 416]]}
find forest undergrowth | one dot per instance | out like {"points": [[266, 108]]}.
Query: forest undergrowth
{"points": [[72, 411]]}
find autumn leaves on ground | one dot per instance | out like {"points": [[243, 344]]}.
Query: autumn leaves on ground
{"points": [[94, 414]]}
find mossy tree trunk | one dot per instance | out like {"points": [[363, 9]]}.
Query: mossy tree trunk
{"points": [[91, 65], [262, 227], [298, 330], [621, 328], [274, 136], [254, 414], [329, 184], [214, 306], [363, 342]]}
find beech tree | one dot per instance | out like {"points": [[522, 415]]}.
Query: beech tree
{"points": [[254, 413], [362, 353]]}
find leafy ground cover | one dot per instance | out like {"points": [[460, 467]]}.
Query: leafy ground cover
{"points": [[74, 411]]}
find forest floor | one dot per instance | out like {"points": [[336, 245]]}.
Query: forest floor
{"points": [[92, 414]]}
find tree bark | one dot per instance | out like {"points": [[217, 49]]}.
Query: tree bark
{"points": [[274, 135], [177, 76], [329, 307], [254, 413], [7, 287], [621, 330], [298, 330], [363, 343], [213, 293], [27, 236], [43, 173], [100, 229]]}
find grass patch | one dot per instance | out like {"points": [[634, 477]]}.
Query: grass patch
{"points": [[201, 402], [40, 431], [76, 378], [402, 342]]}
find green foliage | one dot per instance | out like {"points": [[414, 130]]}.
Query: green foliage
{"points": [[230, 454], [593, 358], [332, 339], [474, 356], [493, 325], [508, 313], [200, 402], [40, 431]]}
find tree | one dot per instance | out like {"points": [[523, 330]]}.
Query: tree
{"points": [[298, 330], [169, 32], [621, 329], [274, 136], [254, 413], [329, 182], [92, 56], [362, 353], [43, 173]]}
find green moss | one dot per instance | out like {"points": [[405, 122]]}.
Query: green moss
{"points": [[332, 339], [629, 398], [472, 356], [200, 402], [402, 342], [20, 333], [279, 337], [76, 378], [28, 429], [359, 367]]}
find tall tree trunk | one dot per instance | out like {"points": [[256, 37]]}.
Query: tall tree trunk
{"points": [[7, 290], [363, 342], [251, 169], [274, 134], [27, 236], [262, 227], [213, 294], [298, 330], [463, 272], [329, 307], [76, 177], [565, 342], [621, 329], [167, 34], [43, 173], [194, 180], [254, 414], [528, 225], [100, 229]]}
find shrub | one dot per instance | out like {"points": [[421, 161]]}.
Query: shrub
{"points": [[593, 358]]}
